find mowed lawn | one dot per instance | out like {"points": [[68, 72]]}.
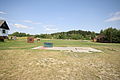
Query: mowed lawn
{"points": [[19, 62]]}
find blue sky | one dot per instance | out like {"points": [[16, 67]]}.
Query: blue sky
{"points": [[49, 16]]}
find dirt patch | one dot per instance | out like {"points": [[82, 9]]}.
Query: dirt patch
{"points": [[71, 49]]}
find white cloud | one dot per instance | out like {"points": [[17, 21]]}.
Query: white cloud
{"points": [[22, 26], [114, 17], [117, 13], [29, 21], [50, 28], [1, 12], [53, 29], [2, 18]]}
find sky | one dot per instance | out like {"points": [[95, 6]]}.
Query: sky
{"points": [[50, 16]]}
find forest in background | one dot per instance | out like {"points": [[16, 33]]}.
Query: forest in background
{"points": [[111, 35]]}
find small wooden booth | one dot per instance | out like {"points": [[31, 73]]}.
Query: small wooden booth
{"points": [[30, 40]]}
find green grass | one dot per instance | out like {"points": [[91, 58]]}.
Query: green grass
{"points": [[19, 62], [22, 44]]}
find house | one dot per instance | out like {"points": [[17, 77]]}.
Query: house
{"points": [[99, 38], [3, 30]]}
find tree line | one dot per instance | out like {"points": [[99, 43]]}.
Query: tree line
{"points": [[111, 35], [20, 34], [74, 34]]}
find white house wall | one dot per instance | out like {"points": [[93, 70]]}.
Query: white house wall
{"points": [[3, 34]]}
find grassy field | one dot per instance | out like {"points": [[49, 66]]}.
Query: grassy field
{"points": [[19, 62]]}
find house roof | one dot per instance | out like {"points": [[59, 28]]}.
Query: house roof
{"points": [[100, 36], [3, 24]]}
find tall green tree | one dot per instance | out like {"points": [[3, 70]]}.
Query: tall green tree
{"points": [[112, 34]]}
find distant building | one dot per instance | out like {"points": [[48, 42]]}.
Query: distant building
{"points": [[99, 38], [3, 30]]}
